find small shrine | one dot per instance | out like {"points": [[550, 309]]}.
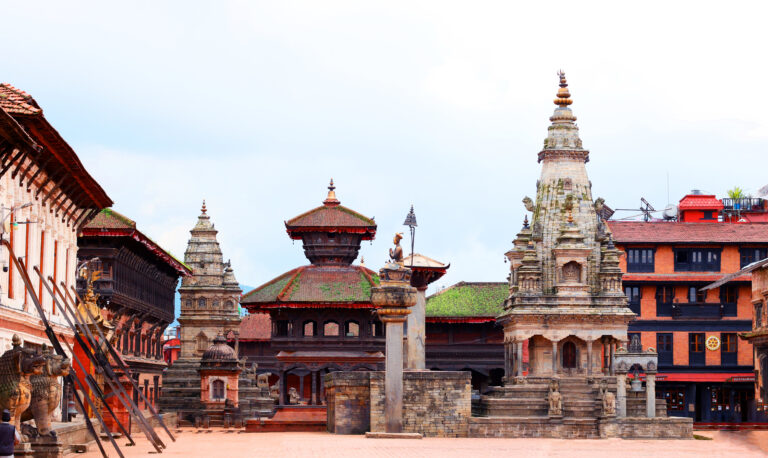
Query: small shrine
{"points": [[219, 375]]}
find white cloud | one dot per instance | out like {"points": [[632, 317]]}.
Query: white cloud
{"points": [[255, 105]]}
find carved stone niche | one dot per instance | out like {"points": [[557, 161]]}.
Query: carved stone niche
{"points": [[571, 271]]}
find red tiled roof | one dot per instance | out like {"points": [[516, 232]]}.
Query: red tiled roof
{"points": [[315, 285], [331, 216], [109, 223], [256, 326], [25, 110], [110, 219], [626, 232], [16, 101], [700, 202]]}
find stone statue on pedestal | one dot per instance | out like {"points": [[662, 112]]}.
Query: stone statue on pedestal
{"points": [[396, 255], [608, 399], [293, 396], [46, 392], [16, 367], [555, 399]]}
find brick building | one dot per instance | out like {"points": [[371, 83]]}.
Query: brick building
{"points": [[705, 371]]}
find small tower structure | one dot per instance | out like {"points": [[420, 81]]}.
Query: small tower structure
{"points": [[209, 297], [209, 307]]}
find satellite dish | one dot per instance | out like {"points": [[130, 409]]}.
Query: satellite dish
{"points": [[762, 192], [670, 212]]}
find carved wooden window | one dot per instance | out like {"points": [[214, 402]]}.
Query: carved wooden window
{"points": [[331, 328], [189, 303], [309, 328], [352, 329], [201, 303], [230, 305], [215, 304], [640, 260], [218, 389], [282, 328]]}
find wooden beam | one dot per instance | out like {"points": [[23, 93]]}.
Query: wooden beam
{"points": [[40, 168], [13, 159]]}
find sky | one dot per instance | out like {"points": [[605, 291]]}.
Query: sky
{"points": [[254, 106]]}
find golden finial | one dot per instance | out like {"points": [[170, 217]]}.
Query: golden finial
{"points": [[563, 94], [331, 199], [362, 261], [203, 210], [570, 216]]}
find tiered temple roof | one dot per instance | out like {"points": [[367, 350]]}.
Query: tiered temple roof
{"points": [[331, 236]]}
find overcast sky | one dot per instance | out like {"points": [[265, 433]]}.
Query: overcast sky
{"points": [[254, 106]]}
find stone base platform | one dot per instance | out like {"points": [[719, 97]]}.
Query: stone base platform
{"points": [[582, 428], [370, 435], [290, 419]]}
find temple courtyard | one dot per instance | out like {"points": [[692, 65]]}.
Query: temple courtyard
{"points": [[219, 442]]}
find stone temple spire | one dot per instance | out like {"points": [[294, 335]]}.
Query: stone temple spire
{"points": [[203, 253], [563, 134]]}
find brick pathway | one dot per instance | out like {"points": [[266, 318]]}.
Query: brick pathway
{"points": [[219, 443]]}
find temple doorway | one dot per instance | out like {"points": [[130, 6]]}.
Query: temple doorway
{"points": [[569, 355]]}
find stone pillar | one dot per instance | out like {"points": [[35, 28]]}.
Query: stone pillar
{"points": [[301, 387], [612, 348], [416, 331], [283, 387], [519, 359], [322, 389], [393, 381], [589, 357], [554, 357], [621, 394], [314, 388], [507, 369], [393, 298], [650, 395]]}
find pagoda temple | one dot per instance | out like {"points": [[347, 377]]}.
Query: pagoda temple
{"points": [[321, 313]]}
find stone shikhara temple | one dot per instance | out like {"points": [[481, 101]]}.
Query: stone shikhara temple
{"points": [[567, 306], [207, 383]]}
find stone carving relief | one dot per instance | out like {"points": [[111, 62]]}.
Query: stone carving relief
{"points": [[572, 272], [608, 399]]}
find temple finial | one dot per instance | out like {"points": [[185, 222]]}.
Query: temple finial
{"points": [[563, 95], [331, 199], [525, 222], [204, 209]]}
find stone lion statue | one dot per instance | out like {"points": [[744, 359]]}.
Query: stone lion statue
{"points": [[17, 365], [555, 398], [46, 392], [262, 380], [608, 398]]}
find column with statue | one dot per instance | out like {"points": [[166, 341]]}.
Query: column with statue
{"points": [[393, 298]]}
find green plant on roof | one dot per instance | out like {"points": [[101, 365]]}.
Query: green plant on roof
{"points": [[469, 300], [736, 193]]}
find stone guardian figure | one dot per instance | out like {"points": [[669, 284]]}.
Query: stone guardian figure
{"points": [[608, 399], [555, 399]]}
